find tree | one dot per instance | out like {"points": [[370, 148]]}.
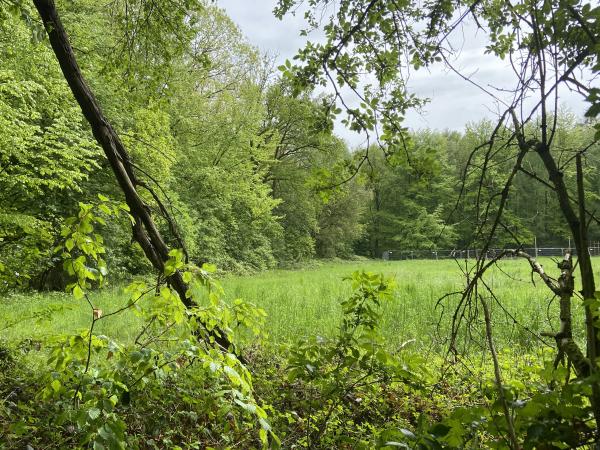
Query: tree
{"points": [[145, 230], [551, 46], [417, 218], [46, 154], [217, 109], [305, 151]]}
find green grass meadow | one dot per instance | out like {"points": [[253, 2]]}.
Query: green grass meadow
{"points": [[306, 302]]}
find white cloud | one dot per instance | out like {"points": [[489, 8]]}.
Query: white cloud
{"points": [[454, 101], [263, 29]]}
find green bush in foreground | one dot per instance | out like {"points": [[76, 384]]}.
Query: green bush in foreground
{"points": [[97, 391], [174, 386], [346, 391]]}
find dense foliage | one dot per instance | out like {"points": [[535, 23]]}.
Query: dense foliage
{"points": [[239, 167], [250, 195]]}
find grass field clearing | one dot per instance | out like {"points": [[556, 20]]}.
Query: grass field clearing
{"points": [[304, 302]]}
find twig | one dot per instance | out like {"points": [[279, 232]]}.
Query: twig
{"points": [[498, 376]]}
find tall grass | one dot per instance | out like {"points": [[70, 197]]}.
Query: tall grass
{"points": [[306, 302], [36, 316]]}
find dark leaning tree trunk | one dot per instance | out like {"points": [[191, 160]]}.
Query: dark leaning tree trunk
{"points": [[145, 231]]}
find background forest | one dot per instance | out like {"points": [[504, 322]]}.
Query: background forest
{"points": [[246, 166]]}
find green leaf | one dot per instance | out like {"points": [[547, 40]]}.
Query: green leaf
{"points": [[78, 292], [409, 434], [262, 433], [246, 406], [55, 385], [169, 268], [264, 424], [593, 111], [105, 209], [210, 268], [94, 413]]}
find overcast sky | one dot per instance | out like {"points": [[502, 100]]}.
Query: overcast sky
{"points": [[453, 103]]}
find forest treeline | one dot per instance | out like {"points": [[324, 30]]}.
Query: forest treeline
{"points": [[250, 169]]}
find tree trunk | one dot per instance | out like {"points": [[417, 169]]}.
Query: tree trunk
{"points": [[145, 231], [578, 228]]}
